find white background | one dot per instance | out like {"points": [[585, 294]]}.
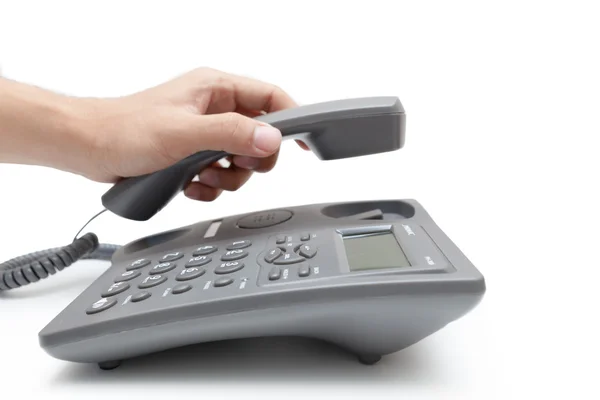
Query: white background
{"points": [[502, 150]]}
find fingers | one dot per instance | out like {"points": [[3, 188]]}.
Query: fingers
{"points": [[256, 164], [233, 133], [198, 191], [252, 94]]}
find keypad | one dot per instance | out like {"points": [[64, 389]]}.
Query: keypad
{"points": [[162, 268], [152, 280], [204, 261]]}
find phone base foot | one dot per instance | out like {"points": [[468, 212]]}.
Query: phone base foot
{"points": [[108, 365], [367, 359]]}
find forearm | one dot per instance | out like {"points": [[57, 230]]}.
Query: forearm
{"points": [[38, 127]]}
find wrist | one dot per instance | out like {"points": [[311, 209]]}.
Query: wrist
{"points": [[38, 127]]}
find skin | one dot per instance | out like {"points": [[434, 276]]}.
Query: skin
{"points": [[108, 139]]}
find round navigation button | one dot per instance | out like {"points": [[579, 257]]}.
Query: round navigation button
{"points": [[264, 219]]}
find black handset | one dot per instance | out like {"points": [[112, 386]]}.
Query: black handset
{"points": [[333, 130]]}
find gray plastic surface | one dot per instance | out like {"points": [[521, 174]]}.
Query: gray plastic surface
{"points": [[333, 130], [370, 313]]}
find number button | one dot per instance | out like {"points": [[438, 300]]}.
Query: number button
{"points": [[172, 256], [190, 273], [101, 305], [229, 267], [241, 244], [127, 276], [162, 268], [115, 288], [204, 250], [198, 261], [142, 262], [234, 255], [152, 280]]}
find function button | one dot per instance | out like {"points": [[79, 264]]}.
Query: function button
{"points": [[198, 261], [229, 267], [162, 268], [308, 251], [305, 237], [181, 288], [190, 273], [234, 255], [273, 254], [152, 280], [204, 250], [280, 239], [223, 282], [274, 274], [101, 305], [264, 219], [115, 288], [288, 258], [142, 262], [172, 256], [240, 244], [140, 296], [303, 271], [127, 276]]}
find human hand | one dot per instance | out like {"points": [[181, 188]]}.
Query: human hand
{"points": [[204, 109]]}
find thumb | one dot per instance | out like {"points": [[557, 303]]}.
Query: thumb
{"points": [[236, 134]]}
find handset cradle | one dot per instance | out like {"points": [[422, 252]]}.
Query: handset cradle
{"points": [[332, 130]]}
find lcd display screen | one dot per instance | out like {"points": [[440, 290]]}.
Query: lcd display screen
{"points": [[374, 251]]}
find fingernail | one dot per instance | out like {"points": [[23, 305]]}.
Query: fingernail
{"points": [[267, 138]]}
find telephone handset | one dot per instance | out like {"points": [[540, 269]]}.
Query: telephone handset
{"points": [[373, 277], [333, 130]]}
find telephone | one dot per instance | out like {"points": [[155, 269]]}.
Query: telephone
{"points": [[373, 277]]}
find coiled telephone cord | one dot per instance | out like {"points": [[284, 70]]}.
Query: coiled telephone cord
{"points": [[33, 267]]}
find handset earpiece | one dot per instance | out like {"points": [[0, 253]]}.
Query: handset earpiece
{"points": [[333, 130]]}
